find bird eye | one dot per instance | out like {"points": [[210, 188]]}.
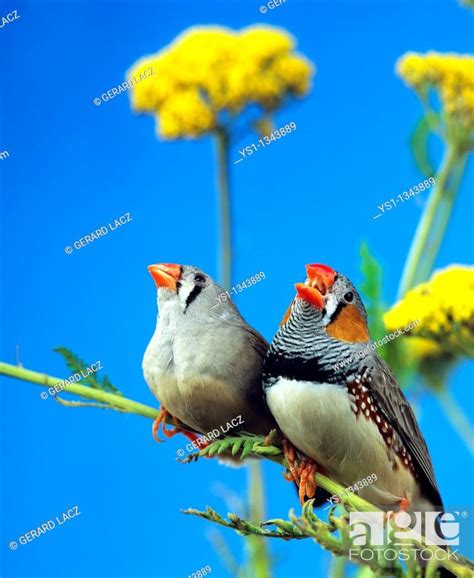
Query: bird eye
{"points": [[199, 278], [349, 297]]}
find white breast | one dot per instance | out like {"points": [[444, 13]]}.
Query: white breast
{"points": [[319, 421]]}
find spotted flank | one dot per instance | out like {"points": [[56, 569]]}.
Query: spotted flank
{"points": [[363, 405]]}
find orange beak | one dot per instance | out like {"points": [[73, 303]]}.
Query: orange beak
{"points": [[165, 275], [320, 280]]}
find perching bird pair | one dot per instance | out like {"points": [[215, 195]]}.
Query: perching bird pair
{"points": [[345, 414]]}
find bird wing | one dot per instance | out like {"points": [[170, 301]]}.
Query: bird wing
{"points": [[382, 383], [257, 341]]}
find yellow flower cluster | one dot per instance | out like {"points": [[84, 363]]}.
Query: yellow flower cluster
{"points": [[211, 71], [445, 307], [452, 75]]}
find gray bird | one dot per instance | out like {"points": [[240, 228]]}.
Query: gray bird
{"points": [[204, 362], [339, 403]]}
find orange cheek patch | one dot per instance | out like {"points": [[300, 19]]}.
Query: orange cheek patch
{"points": [[349, 325]]}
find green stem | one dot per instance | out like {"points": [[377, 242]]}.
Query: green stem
{"points": [[259, 560], [222, 140], [457, 417], [225, 554], [259, 557], [310, 525], [416, 268], [116, 402], [444, 214], [338, 567]]}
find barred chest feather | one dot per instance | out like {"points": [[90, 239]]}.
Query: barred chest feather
{"points": [[338, 428]]}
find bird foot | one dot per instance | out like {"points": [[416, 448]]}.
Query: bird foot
{"points": [[290, 456], [404, 507], [307, 484], [163, 413], [302, 472], [161, 420], [288, 476], [169, 433]]}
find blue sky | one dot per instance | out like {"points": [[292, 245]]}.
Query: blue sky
{"points": [[310, 197]]}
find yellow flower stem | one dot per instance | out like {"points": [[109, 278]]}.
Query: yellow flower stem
{"points": [[419, 261], [259, 558], [222, 141], [457, 417], [444, 214]]}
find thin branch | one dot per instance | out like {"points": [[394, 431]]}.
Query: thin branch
{"points": [[69, 403], [116, 402], [418, 266], [223, 185], [307, 525]]}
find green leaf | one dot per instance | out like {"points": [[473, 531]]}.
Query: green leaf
{"points": [[248, 445], [225, 445], [393, 352], [237, 445], [72, 360], [76, 364], [371, 287], [419, 143]]}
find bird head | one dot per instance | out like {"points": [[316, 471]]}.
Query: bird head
{"points": [[329, 300], [184, 289]]}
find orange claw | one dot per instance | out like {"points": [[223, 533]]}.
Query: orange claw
{"points": [[288, 476], [161, 419], [192, 437], [289, 453], [156, 424], [404, 504], [301, 473], [404, 507], [307, 482]]}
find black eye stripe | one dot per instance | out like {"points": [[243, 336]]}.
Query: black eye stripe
{"points": [[348, 298], [192, 296], [336, 312]]}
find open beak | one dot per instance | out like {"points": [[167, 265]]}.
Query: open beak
{"points": [[314, 290], [165, 275]]}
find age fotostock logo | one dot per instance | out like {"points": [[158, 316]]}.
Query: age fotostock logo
{"points": [[434, 528]]}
